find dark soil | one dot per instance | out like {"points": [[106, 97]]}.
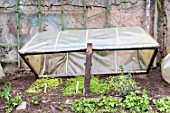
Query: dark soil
{"points": [[52, 102], [154, 83]]}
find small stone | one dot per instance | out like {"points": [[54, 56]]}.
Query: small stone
{"points": [[98, 99], [53, 102], [45, 101], [150, 108], [22, 106], [69, 101]]}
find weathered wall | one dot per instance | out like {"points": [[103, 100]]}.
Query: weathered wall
{"points": [[127, 13], [167, 9], [8, 35]]}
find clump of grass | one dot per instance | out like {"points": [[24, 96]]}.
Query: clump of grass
{"points": [[96, 85], [37, 87]]}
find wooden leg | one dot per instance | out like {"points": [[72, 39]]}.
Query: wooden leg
{"points": [[88, 65]]}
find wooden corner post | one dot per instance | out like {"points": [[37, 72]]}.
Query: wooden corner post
{"points": [[88, 65]]}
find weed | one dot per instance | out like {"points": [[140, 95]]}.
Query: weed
{"points": [[12, 103], [40, 111], [6, 93], [61, 107]]}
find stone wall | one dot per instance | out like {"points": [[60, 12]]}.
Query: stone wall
{"points": [[122, 13]]}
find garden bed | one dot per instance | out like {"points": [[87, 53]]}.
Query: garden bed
{"points": [[56, 101]]}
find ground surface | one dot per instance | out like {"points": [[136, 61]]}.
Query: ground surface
{"points": [[51, 103]]}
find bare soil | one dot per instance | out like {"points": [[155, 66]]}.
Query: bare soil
{"points": [[52, 102]]}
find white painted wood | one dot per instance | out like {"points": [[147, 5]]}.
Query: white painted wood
{"points": [[1, 71], [148, 2], [155, 25]]}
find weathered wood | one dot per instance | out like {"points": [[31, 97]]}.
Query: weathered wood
{"points": [[88, 65], [1, 71]]}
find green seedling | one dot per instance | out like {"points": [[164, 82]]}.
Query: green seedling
{"points": [[6, 93], [35, 100]]}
